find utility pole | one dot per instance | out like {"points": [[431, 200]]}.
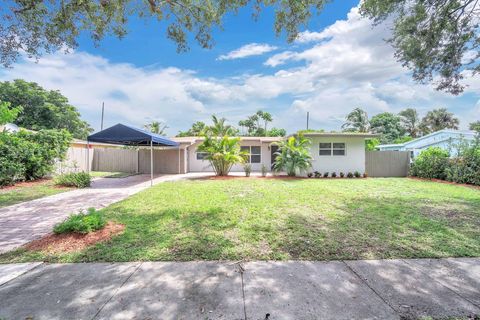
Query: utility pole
{"points": [[308, 118], [103, 110]]}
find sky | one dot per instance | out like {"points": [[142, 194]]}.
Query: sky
{"points": [[339, 62]]}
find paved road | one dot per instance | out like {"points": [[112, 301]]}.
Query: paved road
{"points": [[375, 289], [26, 221]]}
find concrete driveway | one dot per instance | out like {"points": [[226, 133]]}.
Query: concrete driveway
{"points": [[26, 221], [375, 289]]}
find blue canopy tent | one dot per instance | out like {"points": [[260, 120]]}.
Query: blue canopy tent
{"points": [[130, 136]]}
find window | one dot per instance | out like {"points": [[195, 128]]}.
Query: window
{"points": [[201, 155], [254, 153], [329, 149]]}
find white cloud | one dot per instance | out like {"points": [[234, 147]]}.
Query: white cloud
{"points": [[248, 50], [346, 65]]}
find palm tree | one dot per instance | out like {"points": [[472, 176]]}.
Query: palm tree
{"points": [[439, 119], [293, 155], [220, 128], [410, 121], [357, 121], [266, 117], [156, 127], [222, 152]]}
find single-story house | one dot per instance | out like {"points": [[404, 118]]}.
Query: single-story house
{"points": [[446, 139], [331, 152]]}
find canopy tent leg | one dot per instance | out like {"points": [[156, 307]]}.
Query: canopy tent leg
{"points": [[151, 162]]}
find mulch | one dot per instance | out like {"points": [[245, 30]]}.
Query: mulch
{"points": [[68, 242]]}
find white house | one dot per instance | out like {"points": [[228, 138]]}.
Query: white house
{"points": [[446, 139], [332, 152]]}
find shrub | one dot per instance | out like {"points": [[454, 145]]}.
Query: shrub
{"points": [[317, 174], [431, 164], [334, 174], [357, 174], [222, 153], [27, 155], [365, 175], [325, 174], [465, 168], [349, 175], [87, 222], [74, 179], [293, 155], [248, 169], [310, 174], [342, 174], [264, 170]]}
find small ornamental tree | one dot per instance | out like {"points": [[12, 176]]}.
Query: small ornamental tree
{"points": [[293, 155], [222, 153]]}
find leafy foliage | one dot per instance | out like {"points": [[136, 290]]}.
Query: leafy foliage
{"points": [[431, 164], [74, 179], [157, 127], [293, 155], [256, 125], [222, 153], [42, 109], [87, 222], [8, 114], [410, 122], [371, 144], [435, 39], [388, 126], [37, 27], [28, 155], [465, 167], [356, 121], [475, 126], [439, 119], [197, 129]]}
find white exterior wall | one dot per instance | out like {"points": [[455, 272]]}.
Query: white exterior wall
{"points": [[353, 160], [195, 165]]}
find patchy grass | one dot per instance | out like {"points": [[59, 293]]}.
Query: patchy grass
{"points": [[101, 174], [26, 191], [311, 219]]}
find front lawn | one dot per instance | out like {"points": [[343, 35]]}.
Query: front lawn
{"points": [[26, 191], [313, 219]]}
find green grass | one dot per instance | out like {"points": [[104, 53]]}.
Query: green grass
{"points": [[311, 219], [29, 191], [101, 174]]}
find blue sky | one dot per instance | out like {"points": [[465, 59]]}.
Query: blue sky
{"points": [[339, 62]]}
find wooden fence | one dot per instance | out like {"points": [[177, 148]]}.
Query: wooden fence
{"points": [[387, 163]]}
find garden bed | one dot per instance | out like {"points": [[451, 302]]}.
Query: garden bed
{"points": [[68, 242]]}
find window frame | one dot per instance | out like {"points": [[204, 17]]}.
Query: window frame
{"points": [[199, 152], [250, 154], [331, 150]]}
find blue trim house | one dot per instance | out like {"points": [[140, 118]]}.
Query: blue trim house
{"points": [[446, 139]]}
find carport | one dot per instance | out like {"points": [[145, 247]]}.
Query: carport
{"points": [[121, 134]]}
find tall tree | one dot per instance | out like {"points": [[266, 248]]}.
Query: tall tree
{"points": [[388, 126], [219, 127], [197, 129], [475, 126], [410, 121], [42, 109], [436, 39], [439, 119], [256, 125], [356, 121], [266, 117], [157, 127], [40, 26]]}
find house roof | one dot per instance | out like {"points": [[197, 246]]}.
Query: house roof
{"points": [[127, 135], [459, 133], [192, 140], [341, 134]]}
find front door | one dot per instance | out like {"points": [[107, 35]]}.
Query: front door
{"points": [[273, 150]]}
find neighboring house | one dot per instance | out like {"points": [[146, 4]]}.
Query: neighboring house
{"points": [[332, 152], [446, 139]]}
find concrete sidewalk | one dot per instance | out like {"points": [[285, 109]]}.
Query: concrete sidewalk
{"points": [[27, 221], [374, 289]]}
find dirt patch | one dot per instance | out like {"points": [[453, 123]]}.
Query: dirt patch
{"points": [[68, 242], [446, 182]]}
